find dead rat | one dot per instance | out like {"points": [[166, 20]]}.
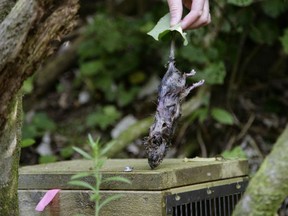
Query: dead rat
{"points": [[172, 91]]}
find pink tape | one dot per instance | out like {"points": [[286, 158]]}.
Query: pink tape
{"points": [[48, 197]]}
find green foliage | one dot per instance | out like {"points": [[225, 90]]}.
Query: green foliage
{"points": [[218, 114], [201, 114], [264, 32], [27, 142], [110, 59], [91, 68], [274, 8], [126, 97], [39, 124], [214, 73], [98, 158], [236, 152], [66, 152], [222, 116], [103, 117], [240, 2], [47, 159], [117, 58], [28, 85], [163, 27], [284, 41]]}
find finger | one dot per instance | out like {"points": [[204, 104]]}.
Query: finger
{"points": [[195, 13], [200, 24], [176, 10], [204, 19]]}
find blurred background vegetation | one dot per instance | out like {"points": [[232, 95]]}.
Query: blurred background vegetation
{"points": [[105, 76]]}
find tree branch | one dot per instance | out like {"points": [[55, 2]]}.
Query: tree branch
{"points": [[5, 7], [14, 29], [269, 187], [51, 25]]}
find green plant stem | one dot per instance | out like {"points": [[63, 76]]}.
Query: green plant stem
{"points": [[98, 178]]}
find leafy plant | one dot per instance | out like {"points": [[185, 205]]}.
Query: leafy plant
{"points": [[284, 41], [43, 159], [103, 117], [222, 116], [108, 58], [39, 124], [98, 159], [27, 142], [28, 85], [240, 2], [66, 152], [236, 152]]}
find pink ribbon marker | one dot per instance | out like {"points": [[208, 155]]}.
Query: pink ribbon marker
{"points": [[48, 197]]}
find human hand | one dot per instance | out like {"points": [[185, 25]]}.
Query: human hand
{"points": [[198, 16]]}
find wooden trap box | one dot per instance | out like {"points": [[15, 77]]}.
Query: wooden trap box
{"points": [[177, 187]]}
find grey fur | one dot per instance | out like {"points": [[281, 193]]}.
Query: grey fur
{"points": [[172, 91]]}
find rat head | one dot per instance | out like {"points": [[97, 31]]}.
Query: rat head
{"points": [[156, 150]]}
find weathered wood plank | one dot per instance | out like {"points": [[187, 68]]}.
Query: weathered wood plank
{"points": [[172, 173], [76, 202], [145, 196]]}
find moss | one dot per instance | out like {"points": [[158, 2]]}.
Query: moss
{"points": [[9, 179], [6, 6], [269, 187], [8, 194]]}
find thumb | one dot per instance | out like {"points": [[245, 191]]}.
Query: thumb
{"points": [[176, 9]]}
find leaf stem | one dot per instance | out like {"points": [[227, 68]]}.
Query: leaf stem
{"points": [[172, 49]]}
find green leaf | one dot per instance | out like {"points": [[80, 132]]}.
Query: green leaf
{"points": [[66, 152], [264, 32], [201, 114], [241, 3], [194, 54], [81, 175], [29, 131], [126, 97], [47, 159], [214, 73], [284, 41], [274, 8], [163, 27], [28, 85], [222, 116], [117, 178], [107, 147], [112, 112], [109, 199], [27, 142], [94, 144], [82, 184], [42, 122], [83, 153], [103, 117], [91, 68], [236, 152]]}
